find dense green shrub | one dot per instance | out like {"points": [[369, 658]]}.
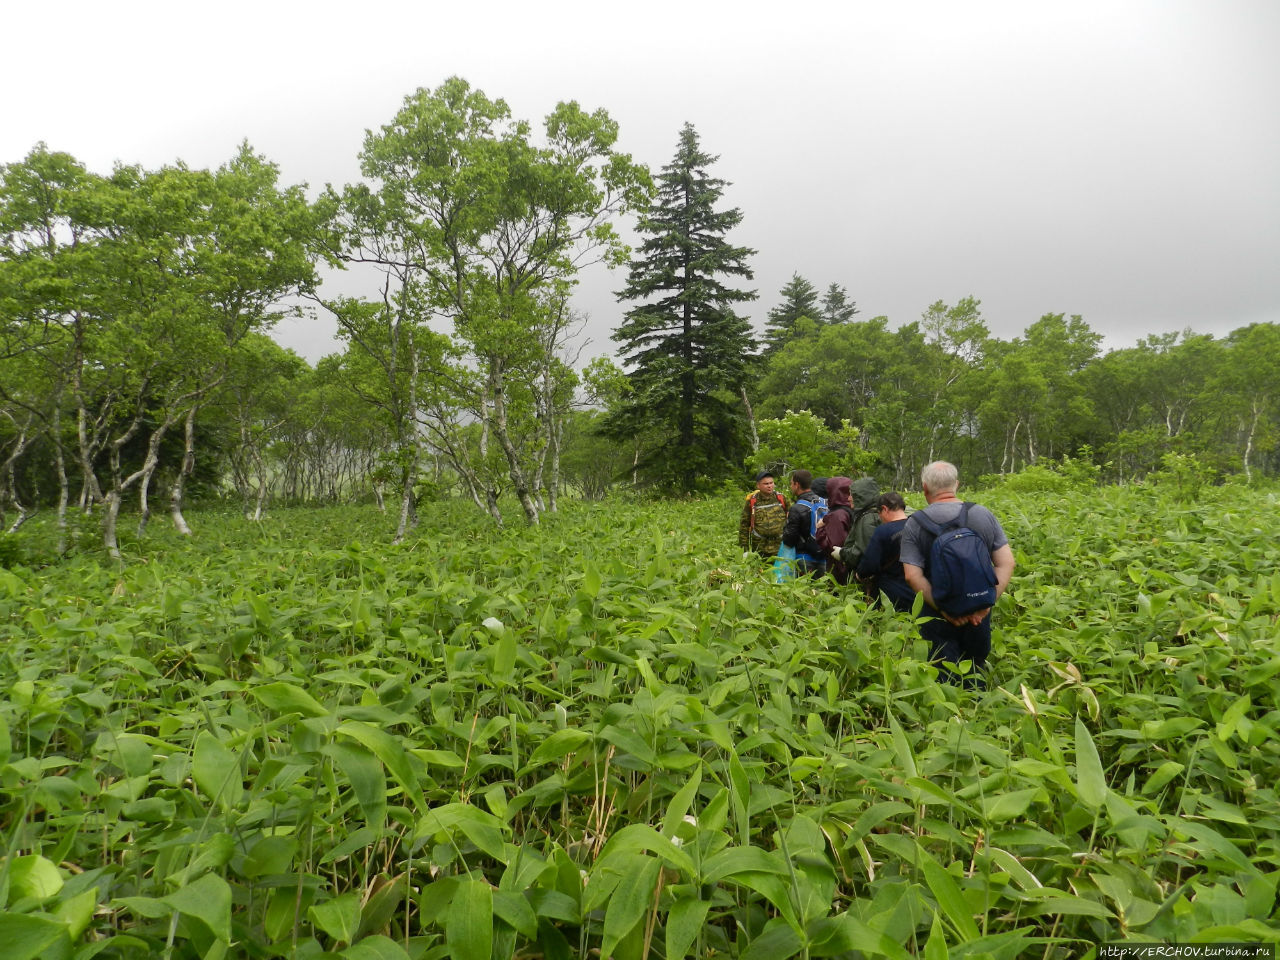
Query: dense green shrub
{"points": [[609, 733]]}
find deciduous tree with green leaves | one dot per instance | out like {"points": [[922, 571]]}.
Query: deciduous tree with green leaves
{"points": [[493, 227], [800, 439], [136, 289]]}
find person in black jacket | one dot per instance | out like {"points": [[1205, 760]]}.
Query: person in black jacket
{"points": [[798, 530], [880, 567]]}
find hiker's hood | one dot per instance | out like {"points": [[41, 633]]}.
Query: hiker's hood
{"points": [[865, 493], [838, 492]]}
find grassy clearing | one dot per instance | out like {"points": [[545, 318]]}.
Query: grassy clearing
{"points": [[612, 734]]}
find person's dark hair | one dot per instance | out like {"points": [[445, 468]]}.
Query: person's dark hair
{"points": [[893, 501], [803, 478]]}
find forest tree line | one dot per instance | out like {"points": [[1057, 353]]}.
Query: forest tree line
{"points": [[136, 361]]}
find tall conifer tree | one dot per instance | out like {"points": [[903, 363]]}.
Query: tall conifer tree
{"points": [[687, 351], [799, 299], [836, 305]]}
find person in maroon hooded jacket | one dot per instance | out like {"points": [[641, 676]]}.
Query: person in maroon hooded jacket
{"points": [[835, 526]]}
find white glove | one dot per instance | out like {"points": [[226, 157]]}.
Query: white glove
{"points": [[835, 554]]}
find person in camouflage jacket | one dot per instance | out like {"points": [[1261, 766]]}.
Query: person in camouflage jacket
{"points": [[763, 514]]}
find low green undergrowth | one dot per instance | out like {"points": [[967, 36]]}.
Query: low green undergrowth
{"points": [[611, 734]]}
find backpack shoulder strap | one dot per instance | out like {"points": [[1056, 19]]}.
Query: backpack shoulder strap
{"points": [[887, 562], [930, 525], [963, 520]]}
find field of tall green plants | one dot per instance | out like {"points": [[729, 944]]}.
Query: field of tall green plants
{"points": [[610, 736]]}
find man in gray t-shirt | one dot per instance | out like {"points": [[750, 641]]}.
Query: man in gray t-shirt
{"points": [[953, 638]]}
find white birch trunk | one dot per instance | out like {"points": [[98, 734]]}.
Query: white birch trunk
{"points": [[178, 490], [518, 479]]}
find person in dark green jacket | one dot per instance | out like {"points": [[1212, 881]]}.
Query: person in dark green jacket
{"points": [[865, 494]]}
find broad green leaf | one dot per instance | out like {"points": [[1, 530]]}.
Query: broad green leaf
{"points": [[26, 937], [857, 935], [1249, 931], [339, 917], [949, 897], [902, 747], [468, 928], [446, 759], [775, 889], [554, 905], [739, 797], [216, 771], [270, 855], [286, 911], [1008, 806], [481, 828], [558, 745], [286, 698], [877, 814], [77, 912], [153, 908], [32, 876], [392, 754], [630, 901], [1215, 809], [732, 861], [514, 909], [1000, 946], [376, 947], [1210, 841], [642, 837], [684, 920], [387, 900], [1090, 780], [504, 655], [679, 804], [1011, 865], [1164, 773], [1232, 716], [1170, 728], [150, 810], [128, 751], [209, 901], [591, 580], [935, 948], [210, 855], [368, 781], [1070, 906], [777, 941], [1260, 894], [627, 741], [926, 791]]}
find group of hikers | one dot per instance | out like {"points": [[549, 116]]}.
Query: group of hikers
{"points": [[952, 552]]}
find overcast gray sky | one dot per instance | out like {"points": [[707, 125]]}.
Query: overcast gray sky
{"points": [[1119, 159]]}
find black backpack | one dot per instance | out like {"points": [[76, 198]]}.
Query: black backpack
{"points": [[959, 568]]}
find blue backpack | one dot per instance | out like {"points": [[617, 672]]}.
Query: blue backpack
{"points": [[818, 509], [960, 570]]}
